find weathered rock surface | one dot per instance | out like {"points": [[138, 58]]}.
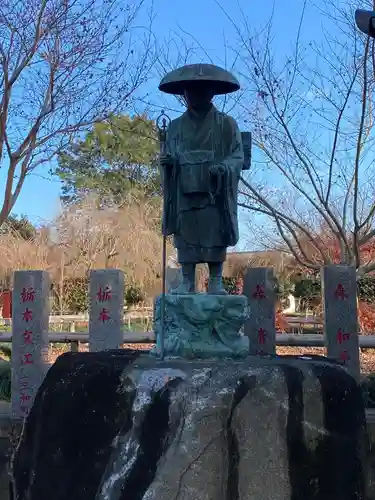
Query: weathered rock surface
{"points": [[117, 425], [200, 325]]}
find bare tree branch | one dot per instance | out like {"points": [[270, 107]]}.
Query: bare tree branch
{"points": [[313, 130], [64, 65]]}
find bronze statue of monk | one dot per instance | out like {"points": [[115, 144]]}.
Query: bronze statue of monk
{"points": [[201, 170]]}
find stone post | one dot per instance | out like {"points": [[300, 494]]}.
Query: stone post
{"points": [[259, 288], [106, 309], [339, 286], [30, 321]]}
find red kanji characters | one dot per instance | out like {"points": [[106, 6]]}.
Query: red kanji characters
{"points": [[104, 293], [342, 337], [28, 337], [27, 315], [344, 356], [26, 360], [262, 336], [24, 398], [340, 292], [259, 292], [104, 315], [28, 294]]}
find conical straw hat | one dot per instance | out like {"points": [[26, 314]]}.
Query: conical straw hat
{"points": [[220, 80]]}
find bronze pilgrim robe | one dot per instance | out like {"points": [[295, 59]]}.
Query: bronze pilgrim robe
{"points": [[200, 209]]}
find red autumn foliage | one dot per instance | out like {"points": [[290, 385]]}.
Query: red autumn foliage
{"points": [[366, 312], [366, 317], [282, 325], [328, 243]]}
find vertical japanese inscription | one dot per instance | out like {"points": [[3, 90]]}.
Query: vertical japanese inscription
{"points": [[104, 295], [27, 296], [259, 294], [29, 337]]}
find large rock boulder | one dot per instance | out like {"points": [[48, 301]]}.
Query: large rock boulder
{"points": [[118, 425]]}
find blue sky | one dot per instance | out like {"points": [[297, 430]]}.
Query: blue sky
{"points": [[198, 22]]}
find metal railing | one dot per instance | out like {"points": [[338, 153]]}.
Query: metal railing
{"points": [[282, 339]]}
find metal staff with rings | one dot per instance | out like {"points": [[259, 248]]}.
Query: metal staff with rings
{"points": [[162, 124]]}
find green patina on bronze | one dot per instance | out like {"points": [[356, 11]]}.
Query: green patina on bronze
{"points": [[202, 326], [201, 174]]}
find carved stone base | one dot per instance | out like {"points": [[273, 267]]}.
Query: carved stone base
{"points": [[200, 325]]}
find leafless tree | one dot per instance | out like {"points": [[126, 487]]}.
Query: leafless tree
{"points": [[126, 237], [179, 48], [19, 254], [312, 120], [64, 64], [85, 237]]}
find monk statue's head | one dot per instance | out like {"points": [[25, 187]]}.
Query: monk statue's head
{"points": [[198, 95]]}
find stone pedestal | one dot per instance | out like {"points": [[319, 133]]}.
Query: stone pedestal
{"points": [[199, 325], [118, 425]]}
